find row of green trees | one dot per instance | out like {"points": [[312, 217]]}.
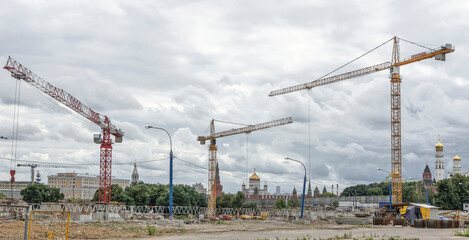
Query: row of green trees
{"points": [[234, 201], [140, 195], [411, 191], [372, 189], [293, 203], [144, 194], [451, 192]]}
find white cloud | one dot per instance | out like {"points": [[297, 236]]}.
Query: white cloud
{"points": [[178, 65]]}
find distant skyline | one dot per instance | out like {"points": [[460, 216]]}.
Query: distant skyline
{"points": [[178, 64]]}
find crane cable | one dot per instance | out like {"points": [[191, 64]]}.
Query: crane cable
{"points": [[222, 121], [247, 145], [309, 133], [366, 53], [84, 164], [16, 115], [417, 44]]}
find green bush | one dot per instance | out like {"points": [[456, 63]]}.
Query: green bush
{"points": [[151, 230]]}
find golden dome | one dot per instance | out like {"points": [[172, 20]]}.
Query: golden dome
{"points": [[265, 185], [244, 184], [250, 184], [439, 145], [457, 158], [254, 177]]}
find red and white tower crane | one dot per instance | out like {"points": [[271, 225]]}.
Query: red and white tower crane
{"points": [[20, 72]]}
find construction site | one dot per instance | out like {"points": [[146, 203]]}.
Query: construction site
{"points": [[348, 152]]}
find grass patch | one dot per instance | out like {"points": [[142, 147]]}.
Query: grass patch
{"points": [[151, 230], [462, 234], [182, 216], [345, 236]]}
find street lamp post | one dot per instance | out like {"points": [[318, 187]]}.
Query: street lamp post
{"points": [[390, 189], [170, 168], [304, 186]]}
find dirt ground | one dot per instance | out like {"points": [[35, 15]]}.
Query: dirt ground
{"points": [[234, 229]]}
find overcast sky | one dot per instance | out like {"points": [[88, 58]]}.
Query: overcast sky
{"points": [[178, 64]]}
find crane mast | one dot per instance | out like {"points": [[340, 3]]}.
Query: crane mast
{"points": [[19, 72], [396, 157], [212, 153], [394, 66]]}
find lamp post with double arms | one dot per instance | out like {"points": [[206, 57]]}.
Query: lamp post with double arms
{"points": [[304, 186], [170, 168]]}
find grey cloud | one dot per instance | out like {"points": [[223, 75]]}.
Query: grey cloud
{"points": [[159, 63]]}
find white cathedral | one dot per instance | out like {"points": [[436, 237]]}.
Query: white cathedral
{"points": [[440, 164]]}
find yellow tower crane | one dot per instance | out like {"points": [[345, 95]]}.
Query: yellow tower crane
{"points": [[212, 153], [396, 62]]}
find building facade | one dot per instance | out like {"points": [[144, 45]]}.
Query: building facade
{"points": [[13, 190], [80, 186], [427, 179], [456, 166], [316, 192], [255, 186], [439, 162], [199, 188]]}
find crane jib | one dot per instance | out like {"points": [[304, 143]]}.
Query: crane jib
{"points": [[18, 71], [246, 129], [438, 53]]}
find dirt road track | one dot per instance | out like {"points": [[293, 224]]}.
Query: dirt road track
{"points": [[324, 232]]}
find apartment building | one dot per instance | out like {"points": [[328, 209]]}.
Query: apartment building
{"points": [[80, 186], [7, 189]]}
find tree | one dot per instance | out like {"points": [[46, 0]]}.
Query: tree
{"points": [[224, 201], [140, 194], [183, 195], [117, 194], [280, 204], [37, 193], [452, 192], [374, 192], [2, 196], [294, 203], [327, 194], [238, 200], [250, 205]]}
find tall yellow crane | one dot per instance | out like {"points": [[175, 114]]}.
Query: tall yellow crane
{"points": [[212, 153], [394, 65]]}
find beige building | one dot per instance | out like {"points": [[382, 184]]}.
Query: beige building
{"points": [[7, 189], [80, 186]]}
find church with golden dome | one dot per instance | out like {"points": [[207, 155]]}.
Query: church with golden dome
{"points": [[440, 164], [254, 187]]}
